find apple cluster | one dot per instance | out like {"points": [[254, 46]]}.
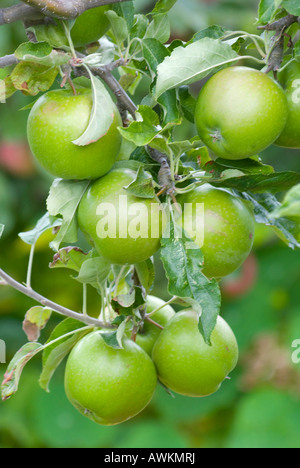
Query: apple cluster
{"points": [[240, 112], [111, 385]]}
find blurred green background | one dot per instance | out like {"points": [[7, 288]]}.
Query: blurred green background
{"points": [[259, 407]]}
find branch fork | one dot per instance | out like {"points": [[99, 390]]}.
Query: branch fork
{"points": [[277, 51]]}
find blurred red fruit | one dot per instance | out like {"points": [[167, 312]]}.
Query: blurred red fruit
{"points": [[16, 159], [237, 287]]}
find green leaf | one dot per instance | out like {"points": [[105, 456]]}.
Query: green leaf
{"points": [[123, 303], [140, 26], [126, 10], [94, 271], [7, 89], [258, 183], [1, 229], [189, 64], [111, 339], [41, 53], [290, 206], [142, 131], [250, 175], [142, 186], [236, 43], [106, 50], [130, 79], [118, 25], [296, 51], [146, 274], [69, 257], [169, 103], [247, 166], [35, 320], [196, 158], [63, 200], [154, 53], [159, 28], [14, 371], [214, 32], [163, 6], [180, 147], [126, 304], [267, 10], [33, 78], [54, 354], [102, 115], [45, 223], [264, 206], [292, 7], [141, 156], [34, 49], [120, 333], [187, 103], [180, 254], [119, 319], [51, 33]]}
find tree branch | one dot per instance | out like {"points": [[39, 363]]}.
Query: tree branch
{"points": [[8, 61], [281, 24], [9, 281], [276, 54], [165, 175], [17, 13], [105, 73], [63, 9], [124, 101]]}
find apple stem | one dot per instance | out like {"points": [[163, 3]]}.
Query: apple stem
{"points": [[153, 322], [174, 298], [72, 86], [134, 333]]}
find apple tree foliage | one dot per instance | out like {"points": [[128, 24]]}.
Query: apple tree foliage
{"points": [[137, 48]]}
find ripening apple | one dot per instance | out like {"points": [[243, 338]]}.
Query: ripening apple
{"points": [[240, 112], [56, 120], [123, 228], [109, 385], [186, 364], [148, 335], [290, 80], [221, 224]]}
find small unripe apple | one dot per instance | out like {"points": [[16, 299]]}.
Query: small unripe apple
{"points": [[123, 228], [147, 337], [109, 385], [290, 80], [56, 120], [189, 366], [226, 230], [240, 112]]}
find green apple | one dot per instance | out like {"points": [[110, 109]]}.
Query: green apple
{"points": [[56, 120], [109, 385], [186, 364], [123, 228], [225, 232], [147, 337], [290, 80], [240, 112]]}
